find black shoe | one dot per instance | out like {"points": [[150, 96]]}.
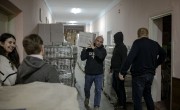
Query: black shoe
{"points": [[118, 107], [86, 102]]}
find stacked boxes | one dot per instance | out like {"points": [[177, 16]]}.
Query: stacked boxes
{"points": [[62, 58], [108, 90]]}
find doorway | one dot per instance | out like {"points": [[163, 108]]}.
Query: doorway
{"points": [[160, 31], [109, 38], [166, 66]]}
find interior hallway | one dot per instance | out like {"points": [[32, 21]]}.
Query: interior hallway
{"points": [[105, 103]]}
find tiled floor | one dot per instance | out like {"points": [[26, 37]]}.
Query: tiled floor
{"points": [[105, 103]]}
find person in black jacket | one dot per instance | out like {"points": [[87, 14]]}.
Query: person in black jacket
{"points": [[118, 58], [94, 56], [144, 57]]}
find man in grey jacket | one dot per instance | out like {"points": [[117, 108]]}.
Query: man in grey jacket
{"points": [[34, 68]]}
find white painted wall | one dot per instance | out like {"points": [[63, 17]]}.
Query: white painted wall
{"points": [[129, 15], [16, 28], [135, 14], [26, 22]]}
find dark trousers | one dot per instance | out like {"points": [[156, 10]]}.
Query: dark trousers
{"points": [[141, 87], [119, 88]]}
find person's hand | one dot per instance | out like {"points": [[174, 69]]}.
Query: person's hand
{"points": [[91, 44], [121, 76], [110, 71], [84, 48]]}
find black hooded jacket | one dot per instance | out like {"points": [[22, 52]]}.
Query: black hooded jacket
{"points": [[94, 60], [119, 52]]}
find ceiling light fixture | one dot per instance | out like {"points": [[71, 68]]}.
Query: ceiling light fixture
{"points": [[72, 22], [75, 10]]}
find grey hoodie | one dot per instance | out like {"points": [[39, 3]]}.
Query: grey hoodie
{"points": [[35, 69]]}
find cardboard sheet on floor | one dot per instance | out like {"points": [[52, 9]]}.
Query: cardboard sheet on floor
{"points": [[38, 96]]}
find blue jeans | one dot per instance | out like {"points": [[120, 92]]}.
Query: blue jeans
{"points": [[98, 80], [141, 87]]}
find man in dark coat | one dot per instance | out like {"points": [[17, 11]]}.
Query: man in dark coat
{"points": [[144, 57]]}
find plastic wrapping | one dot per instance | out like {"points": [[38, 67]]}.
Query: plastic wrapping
{"points": [[63, 58]]}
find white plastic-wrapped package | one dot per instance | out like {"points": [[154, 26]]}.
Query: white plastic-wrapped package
{"points": [[38, 96], [84, 39]]}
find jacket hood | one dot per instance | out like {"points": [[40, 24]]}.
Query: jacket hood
{"points": [[118, 38], [30, 65]]}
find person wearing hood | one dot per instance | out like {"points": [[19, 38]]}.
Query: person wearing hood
{"points": [[117, 60], [34, 68], [94, 56]]}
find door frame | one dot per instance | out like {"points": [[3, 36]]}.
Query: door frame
{"points": [[153, 34]]}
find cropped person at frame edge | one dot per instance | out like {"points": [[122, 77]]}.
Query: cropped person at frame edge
{"points": [[94, 69], [9, 59]]}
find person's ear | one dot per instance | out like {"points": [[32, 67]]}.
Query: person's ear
{"points": [[42, 50], [1, 44]]}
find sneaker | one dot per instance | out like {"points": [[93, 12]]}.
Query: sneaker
{"points": [[96, 108], [86, 102]]}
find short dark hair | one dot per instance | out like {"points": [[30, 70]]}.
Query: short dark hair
{"points": [[142, 32], [32, 44]]}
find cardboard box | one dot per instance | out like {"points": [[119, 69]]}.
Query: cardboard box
{"points": [[84, 39]]}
